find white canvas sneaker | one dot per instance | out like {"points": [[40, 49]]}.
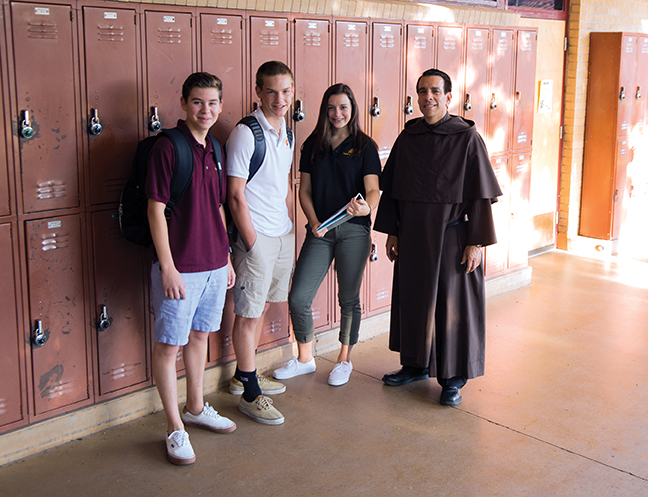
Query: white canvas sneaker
{"points": [[179, 449], [210, 419], [294, 368], [340, 374]]}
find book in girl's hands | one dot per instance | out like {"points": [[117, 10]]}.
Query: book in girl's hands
{"points": [[339, 217]]}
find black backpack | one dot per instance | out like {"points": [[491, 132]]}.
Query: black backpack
{"points": [[133, 205]]}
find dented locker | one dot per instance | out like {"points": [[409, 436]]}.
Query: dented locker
{"points": [[524, 107], [500, 104], [120, 311], [419, 58], [351, 55], [169, 60], [450, 59], [44, 43], [476, 94], [221, 54], [56, 311], [12, 409], [312, 78], [496, 256], [112, 90], [268, 41]]}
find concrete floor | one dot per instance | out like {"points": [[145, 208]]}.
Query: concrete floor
{"points": [[562, 410]]}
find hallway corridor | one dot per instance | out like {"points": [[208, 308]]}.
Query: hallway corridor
{"points": [[561, 411]]}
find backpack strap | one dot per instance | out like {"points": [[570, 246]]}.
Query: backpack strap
{"points": [[184, 167], [218, 156], [259, 144]]}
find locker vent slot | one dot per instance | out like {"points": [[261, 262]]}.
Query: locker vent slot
{"points": [[114, 185], [113, 232], [502, 45], [449, 44], [55, 241], [420, 42], [110, 33], [43, 30], [122, 371], [55, 390], [312, 39], [274, 326], [527, 44], [644, 46], [387, 41], [50, 189], [169, 35], [351, 40], [222, 37], [478, 44], [269, 38]]}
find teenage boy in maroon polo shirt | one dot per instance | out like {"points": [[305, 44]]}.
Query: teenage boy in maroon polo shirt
{"points": [[192, 271]]}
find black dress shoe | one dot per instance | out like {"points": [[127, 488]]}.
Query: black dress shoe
{"points": [[450, 396], [405, 375]]}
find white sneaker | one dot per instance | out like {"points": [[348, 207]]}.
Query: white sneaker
{"points": [[210, 419], [179, 449], [294, 368], [340, 374]]}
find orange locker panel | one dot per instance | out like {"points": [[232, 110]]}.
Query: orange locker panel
{"points": [[169, 60], [43, 43], [476, 97], [450, 59], [110, 36], [500, 101], [621, 189], [56, 311], [524, 90], [11, 408], [519, 227], [419, 58], [351, 55], [221, 39], [627, 78], [496, 260], [120, 310], [386, 109], [268, 41]]}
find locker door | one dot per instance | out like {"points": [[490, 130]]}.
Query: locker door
{"points": [[268, 41], [524, 90], [222, 55], [387, 116], [312, 78], [640, 107], [274, 324], [56, 301], [44, 44], [351, 63], [11, 409], [497, 255], [6, 206], [380, 274], [169, 60], [621, 192], [627, 86], [119, 269], [220, 343], [500, 104], [112, 65], [476, 97], [420, 58], [450, 49], [321, 302], [519, 226]]}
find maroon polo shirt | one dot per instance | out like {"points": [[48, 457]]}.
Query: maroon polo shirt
{"points": [[196, 233]]}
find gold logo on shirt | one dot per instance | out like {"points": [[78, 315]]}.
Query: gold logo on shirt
{"points": [[349, 153]]}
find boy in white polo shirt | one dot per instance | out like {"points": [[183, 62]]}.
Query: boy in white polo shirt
{"points": [[264, 251]]}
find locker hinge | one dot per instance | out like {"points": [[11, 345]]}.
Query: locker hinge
{"points": [[191, 22], [71, 16], [135, 19], [561, 132], [566, 43]]}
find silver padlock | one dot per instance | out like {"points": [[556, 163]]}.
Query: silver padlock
{"points": [[375, 108], [38, 335], [468, 103], [95, 128], [154, 123], [26, 130], [493, 102], [409, 108], [373, 255], [104, 322], [299, 115]]}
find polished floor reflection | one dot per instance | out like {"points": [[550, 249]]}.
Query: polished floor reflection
{"points": [[562, 410]]}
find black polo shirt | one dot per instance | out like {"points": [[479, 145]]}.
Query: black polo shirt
{"points": [[339, 176]]}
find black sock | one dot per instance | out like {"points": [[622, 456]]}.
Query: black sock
{"points": [[251, 388]]}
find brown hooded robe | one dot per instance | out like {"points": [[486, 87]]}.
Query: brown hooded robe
{"points": [[438, 186]]}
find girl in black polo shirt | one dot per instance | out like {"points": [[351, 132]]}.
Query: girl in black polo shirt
{"points": [[338, 161]]}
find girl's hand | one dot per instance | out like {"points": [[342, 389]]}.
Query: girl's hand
{"points": [[358, 207], [320, 233]]}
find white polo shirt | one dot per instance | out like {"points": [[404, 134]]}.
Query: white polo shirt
{"points": [[267, 190]]}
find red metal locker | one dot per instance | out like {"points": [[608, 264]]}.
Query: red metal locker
{"points": [[496, 260], [120, 307], [519, 227], [312, 71], [44, 43], [380, 274], [621, 187], [221, 348], [476, 98], [169, 60], [351, 49], [450, 50], [419, 58], [500, 103], [627, 87], [6, 205], [268, 41], [111, 37], [222, 54], [274, 324], [524, 89], [56, 311], [11, 400], [640, 107], [321, 302], [387, 116]]}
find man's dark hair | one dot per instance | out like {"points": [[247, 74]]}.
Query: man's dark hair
{"points": [[447, 82], [272, 68], [201, 80]]}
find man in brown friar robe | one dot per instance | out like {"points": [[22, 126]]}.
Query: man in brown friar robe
{"points": [[438, 186]]}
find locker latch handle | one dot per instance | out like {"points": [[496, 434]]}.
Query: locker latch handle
{"points": [[493, 103], [616, 195], [638, 94], [26, 130], [375, 108], [373, 255], [104, 322], [468, 103], [154, 123], [94, 127], [409, 108], [299, 115], [38, 335], [622, 93]]}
